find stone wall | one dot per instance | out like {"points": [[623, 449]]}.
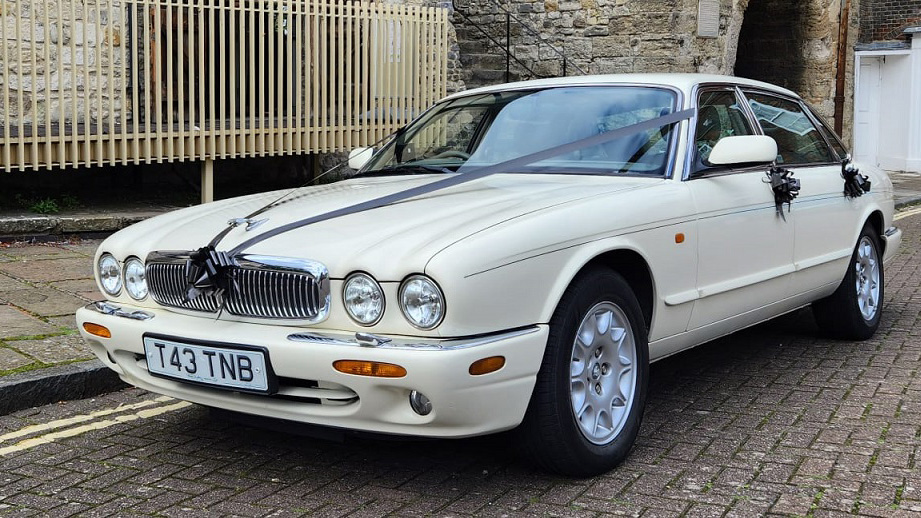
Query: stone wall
{"points": [[605, 36], [790, 43], [66, 49], [884, 20]]}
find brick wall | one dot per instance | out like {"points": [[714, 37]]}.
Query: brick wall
{"points": [[884, 20]]}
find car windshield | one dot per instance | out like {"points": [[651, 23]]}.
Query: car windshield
{"points": [[491, 128]]}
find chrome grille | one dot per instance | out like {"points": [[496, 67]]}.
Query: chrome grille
{"points": [[259, 290]]}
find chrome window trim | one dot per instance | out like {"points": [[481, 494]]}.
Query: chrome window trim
{"points": [[669, 172], [828, 134], [799, 102], [691, 149]]}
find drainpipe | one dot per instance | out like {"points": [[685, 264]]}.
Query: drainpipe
{"points": [[842, 66]]}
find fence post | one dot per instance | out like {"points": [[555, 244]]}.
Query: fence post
{"points": [[207, 180]]}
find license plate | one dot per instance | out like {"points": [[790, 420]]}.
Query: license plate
{"points": [[234, 369]]}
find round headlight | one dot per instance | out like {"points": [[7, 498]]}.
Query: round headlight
{"points": [[110, 275], [364, 299], [135, 279], [422, 302]]}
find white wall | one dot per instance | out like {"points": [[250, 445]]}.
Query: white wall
{"points": [[887, 108], [895, 88]]}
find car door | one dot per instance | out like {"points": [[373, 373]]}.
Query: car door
{"points": [[824, 219], [745, 254]]}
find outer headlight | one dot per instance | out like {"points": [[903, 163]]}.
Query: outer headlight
{"points": [[110, 274], [364, 299], [422, 303], [135, 279]]}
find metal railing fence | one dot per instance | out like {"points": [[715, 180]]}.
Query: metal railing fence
{"points": [[98, 82]]}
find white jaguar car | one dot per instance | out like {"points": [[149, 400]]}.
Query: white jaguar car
{"points": [[512, 259]]}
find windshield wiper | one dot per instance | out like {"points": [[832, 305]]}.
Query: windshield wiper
{"points": [[407, 169]]}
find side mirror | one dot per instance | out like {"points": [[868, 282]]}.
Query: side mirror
{"points": [[360, 156], [743, 150]]}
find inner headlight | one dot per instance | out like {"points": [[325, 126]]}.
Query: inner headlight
{"points": [[110, 275], [364, 299], [135, 279], [422, 302]]}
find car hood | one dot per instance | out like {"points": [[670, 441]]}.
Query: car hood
{"points": [[389, 242]]}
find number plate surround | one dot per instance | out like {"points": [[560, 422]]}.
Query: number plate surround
{"points": [[271, 380]]}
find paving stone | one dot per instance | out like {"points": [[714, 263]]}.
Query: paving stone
{"points": [[14, 322], [66, 323], [11, 284], [10, 359], [50, 269], [43, 251], [83, 288], [45, 301], [55, 349], [86, 247]]}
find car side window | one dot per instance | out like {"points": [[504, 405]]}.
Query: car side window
{"points": [[830, 135], [719, 115], [798, 140]]}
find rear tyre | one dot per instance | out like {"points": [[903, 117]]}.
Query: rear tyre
{"points": [[853, 311], [588, 400]]}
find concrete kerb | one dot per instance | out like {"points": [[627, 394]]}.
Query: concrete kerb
{"points": [[50, 385], [906, 202], [43, 228]]}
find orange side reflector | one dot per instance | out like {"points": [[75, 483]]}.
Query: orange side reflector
{"points": [[366, 368], [97, 330], [487, 365], [679, 238]]}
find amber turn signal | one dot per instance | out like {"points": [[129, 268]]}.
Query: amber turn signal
{"points": [[97, 330], [679, 238], [487, 365], [366, 368]]}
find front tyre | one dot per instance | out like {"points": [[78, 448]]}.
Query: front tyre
{"points": [[853, 311], [588, 400]]}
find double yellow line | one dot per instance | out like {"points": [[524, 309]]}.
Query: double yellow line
{"points": [[906, 213], [44, 433]]}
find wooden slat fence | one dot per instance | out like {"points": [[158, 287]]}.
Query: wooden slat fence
{"points": [[104, 82]]}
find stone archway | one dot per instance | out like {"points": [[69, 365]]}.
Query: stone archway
{"points": [[794, 45], [771, 43]]}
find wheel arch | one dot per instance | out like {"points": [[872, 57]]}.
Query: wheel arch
{"points": [[876, 220], [634, 268]]}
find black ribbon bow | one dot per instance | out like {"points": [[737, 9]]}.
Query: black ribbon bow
{"points": [[855, 184], [785, 188], [208, 273]]}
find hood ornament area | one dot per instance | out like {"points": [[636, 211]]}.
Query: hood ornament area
{"points": [[207, 272], [250, 222]]}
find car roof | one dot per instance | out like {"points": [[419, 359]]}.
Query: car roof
{"points": [[684, 82]]}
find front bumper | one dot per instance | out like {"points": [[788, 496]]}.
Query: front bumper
{"points": [[312, 391], [892, 238]]}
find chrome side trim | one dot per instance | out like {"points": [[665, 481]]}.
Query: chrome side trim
{"points": [[444, 345], [891, 231], [107, 308]]}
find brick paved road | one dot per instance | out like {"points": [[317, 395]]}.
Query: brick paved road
{"points": [[771, 420]]}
